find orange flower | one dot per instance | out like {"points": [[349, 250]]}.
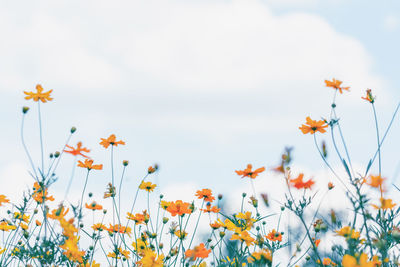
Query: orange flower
{"points": [[210, 209], [298, 182], [117, 228], [386, 203], [205, 194], [179, 208], [99, 227], [3, 199], [148, 186], [199, 251], [313, 126], [93, 206], [316, 242], [39, 95], [274, 236], [38, 223], [335, 84], [138, 218], [78, 150], [243, 237], [111, 140], [375, 181], [58, 214], [369, 96], [330, 185], [40, 193], [89, 165], [249, 173]]}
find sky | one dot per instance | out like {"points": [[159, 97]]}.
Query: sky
{"points": [[200, 87]]}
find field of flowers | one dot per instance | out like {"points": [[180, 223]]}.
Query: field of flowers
{"points": [[46, 230]]}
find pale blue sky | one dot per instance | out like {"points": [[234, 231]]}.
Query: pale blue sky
{"points": [[200, 87]]}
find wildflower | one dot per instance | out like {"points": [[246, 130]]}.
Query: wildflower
{"points": [[93, 206], [117, 228], [139, 218], [243, 237], [111, 140], [39, 95], [40, 193], [72, 251], [350, 261], [88, 264], [249, 173], [89, 165], [274, 236], [38, 223], [247, 219], [348, 233], [164, 204], [181, 234], [59, 213], [179, 208], [210, 209], [205, 194], [99, 227], [3, 199], [316, 242], [330, 185], [217, 224], [375, 181], [5, 226], [335, 84], [119, 251], [369, 97], [263, 256], [110, 192], [22, 217], [148, 186], [298, 182], [385, 204], [78, 150], [199, 251], [328, 261], [152, 169], [151, 259], [313, 126]]}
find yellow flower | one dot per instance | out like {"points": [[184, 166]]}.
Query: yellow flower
{"points": [[348, 232], [243, 237], [39, 95], [148, 186], [5, 227], [350, 261], [263, 256], [116, 254], [150, 259]]}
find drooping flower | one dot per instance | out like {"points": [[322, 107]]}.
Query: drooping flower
{"points": [[111, 140], [299, 184], [249, 173], [205, 194], [88, 164], [148, 186], [94, 206], [336, 84], [39, 95], [313, 126], [369, 97], [110, 191], [199, 251], [78, 150]]}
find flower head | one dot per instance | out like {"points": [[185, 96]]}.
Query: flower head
{"points": [[298, 182], [39, 95], [78, 150], [369, 97], [94, 206], [386, 203], [205, 194], [335, 84], [274, 236], [313, 126], [199, 251], [111, 140], [148, 186], [89, 165], [179, 208], [249, 173], [3, 199]]}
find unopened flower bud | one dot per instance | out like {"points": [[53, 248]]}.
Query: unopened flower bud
{"points": [[125, 163], [73, 129], [25, 109], [56, 154]]}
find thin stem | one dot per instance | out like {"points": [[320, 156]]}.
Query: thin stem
{"points": [[41, 136]]}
